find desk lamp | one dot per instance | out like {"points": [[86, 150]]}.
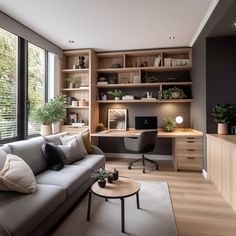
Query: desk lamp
{"points": [[179, 120]]}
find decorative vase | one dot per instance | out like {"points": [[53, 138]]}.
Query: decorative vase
{"points": [[117, 98], [115, 175], [102, 183], [222, 128], [110, 178], [175, 95], [46, 130]]}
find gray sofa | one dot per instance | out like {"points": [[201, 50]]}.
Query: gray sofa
{"points": [[35, 214]]}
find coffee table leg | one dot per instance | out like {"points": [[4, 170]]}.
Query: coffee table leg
{"points": [[89, 205], [122, 215], [137, 199]]}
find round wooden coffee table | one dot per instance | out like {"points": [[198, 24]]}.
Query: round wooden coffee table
{"points": [[121, 189]]}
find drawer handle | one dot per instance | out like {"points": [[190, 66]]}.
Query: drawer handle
{"points": [[190, 157], [190, 138], [190, 141], [190, 150]]}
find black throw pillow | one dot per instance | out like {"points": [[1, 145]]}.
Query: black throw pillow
{"points": [[53, 156]]}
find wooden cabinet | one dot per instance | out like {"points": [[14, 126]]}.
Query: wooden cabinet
{"points": [[134, 72], [189, 153], [78, 67]]}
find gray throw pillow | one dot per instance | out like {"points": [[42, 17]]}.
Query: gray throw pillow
{"points": [[73, 150]]}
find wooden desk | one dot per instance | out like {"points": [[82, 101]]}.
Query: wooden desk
{"points": [[187, 145]]}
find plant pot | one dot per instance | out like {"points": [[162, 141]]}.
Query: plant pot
{"points": [[117, 98], [110, 179], [222, 128], [71, 85], [102, 183], [175, 95], [46, 130]]}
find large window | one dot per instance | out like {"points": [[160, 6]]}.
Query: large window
{"points": [[8, 85], [20, 90], [36, 84]]}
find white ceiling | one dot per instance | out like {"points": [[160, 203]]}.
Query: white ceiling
{"points": [[107, 25]]}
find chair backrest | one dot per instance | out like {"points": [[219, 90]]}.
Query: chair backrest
{"points": [[147, 141]]}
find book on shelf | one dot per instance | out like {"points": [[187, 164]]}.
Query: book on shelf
{"points": [[157, 61], [102, 82]]}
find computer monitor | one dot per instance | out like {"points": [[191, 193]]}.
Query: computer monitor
{"points": [[146, 122]]}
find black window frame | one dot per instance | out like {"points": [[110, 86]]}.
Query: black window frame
{"points": [[22, 89]]}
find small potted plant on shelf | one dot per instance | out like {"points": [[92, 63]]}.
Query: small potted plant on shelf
{"points": [[171, 93], [117, 94], [223, 115], [51, 112], [101, 175], [169, 124], [72, 81]]}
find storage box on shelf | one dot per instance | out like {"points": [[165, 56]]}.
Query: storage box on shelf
{"points": [[77, 70], [139, 71]]}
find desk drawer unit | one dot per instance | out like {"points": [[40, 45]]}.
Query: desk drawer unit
{"points": [[189, 153]]}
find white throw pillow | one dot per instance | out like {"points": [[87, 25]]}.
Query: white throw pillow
{"points": [[73, 150], [17, 176]]}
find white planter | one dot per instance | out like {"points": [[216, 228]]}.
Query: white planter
{"points": [[222, 128], [117, 98], [46, 130]]}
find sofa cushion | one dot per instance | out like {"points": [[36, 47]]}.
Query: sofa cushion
{"points": [[54, 156], [20, 214], [67, 138], [92, 161], [72, 151], [6, 148], [71, 177], [87, 143], [17, 176], [30, 151]]}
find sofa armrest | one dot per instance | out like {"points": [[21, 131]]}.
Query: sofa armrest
{"points": [[97, 150], [4, 232]]}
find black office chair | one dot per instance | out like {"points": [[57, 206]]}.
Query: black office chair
{"points": [[145, 143]]}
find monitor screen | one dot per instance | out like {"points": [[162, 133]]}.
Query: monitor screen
{"points": [[146, 122]]}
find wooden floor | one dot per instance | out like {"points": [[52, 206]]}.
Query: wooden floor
{"points": [[199, 208]]}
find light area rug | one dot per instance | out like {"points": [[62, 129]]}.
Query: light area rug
{"points": [[154, 218]]}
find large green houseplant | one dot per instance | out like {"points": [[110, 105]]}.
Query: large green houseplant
{"points": [[223, 115], [169, 124], [51, 112]]}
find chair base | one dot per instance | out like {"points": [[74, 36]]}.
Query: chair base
{"points": [[143, 159]]}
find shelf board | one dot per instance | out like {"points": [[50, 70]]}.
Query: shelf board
{"points": [[137, 69], [77, 107], [147, 101], [86, 70], [75, 89], [142, 85]]}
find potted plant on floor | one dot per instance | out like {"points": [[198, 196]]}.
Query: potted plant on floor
{"points": [[51, 112], [169, 124], [223, 115], [101, 175]]}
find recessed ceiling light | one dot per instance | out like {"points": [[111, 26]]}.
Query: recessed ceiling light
{"points": [[235, 24], [172, 37], [71, 41]]}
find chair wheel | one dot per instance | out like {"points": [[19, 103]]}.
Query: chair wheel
{"points": [[157, 168], [144, 171], [129, 167]]}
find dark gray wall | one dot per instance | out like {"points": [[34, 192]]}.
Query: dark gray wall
{"points": [[220, 74], [199, 108]]}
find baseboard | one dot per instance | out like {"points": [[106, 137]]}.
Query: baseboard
{"points": [[134, 156], [204, 173]]}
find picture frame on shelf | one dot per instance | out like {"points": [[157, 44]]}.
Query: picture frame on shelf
{"points": [[117, 119]]}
